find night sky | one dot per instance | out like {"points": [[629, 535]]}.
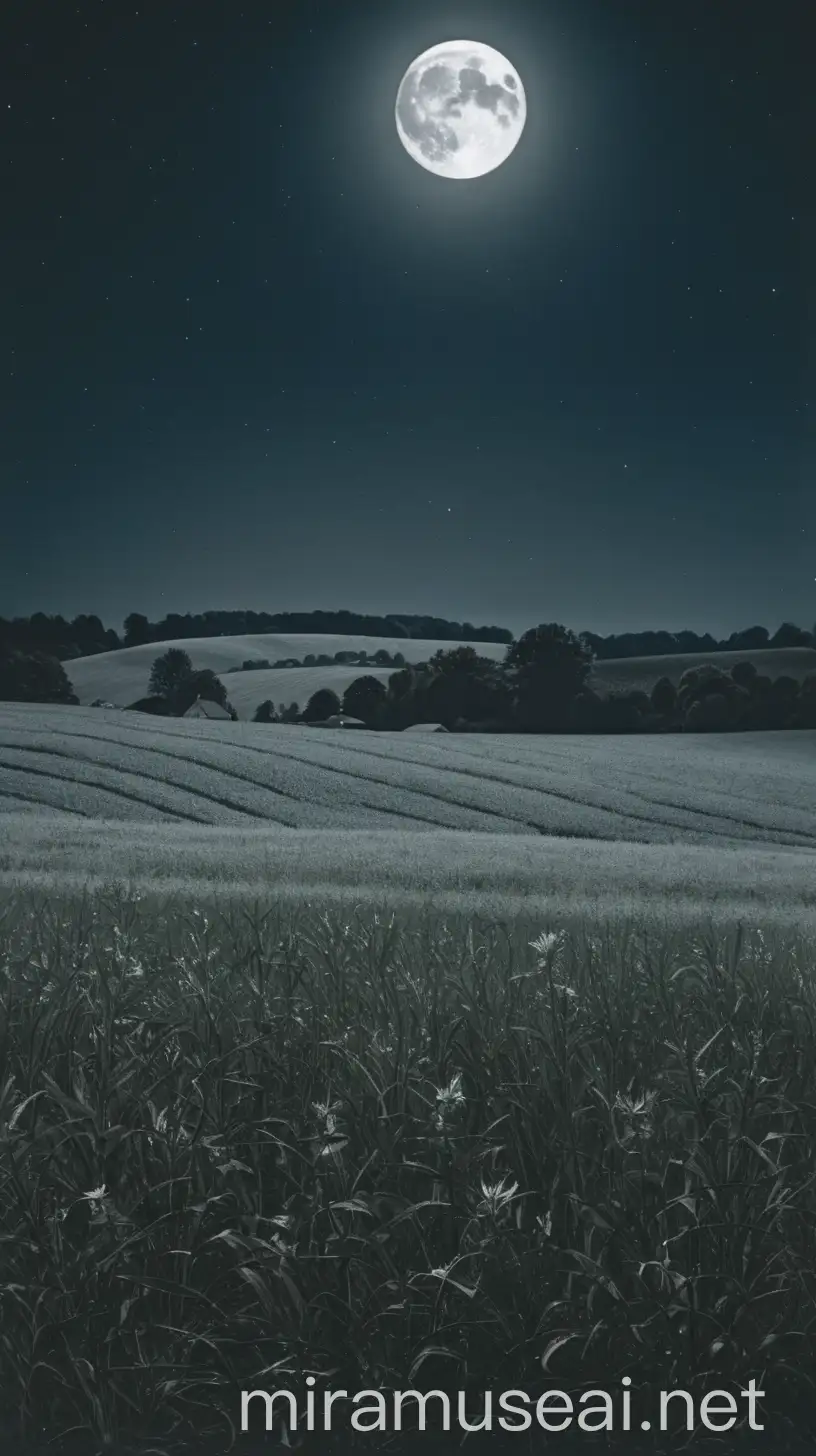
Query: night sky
{"points": [[255, 357]]}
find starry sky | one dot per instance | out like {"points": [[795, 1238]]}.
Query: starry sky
{"points": [[255, 357]]}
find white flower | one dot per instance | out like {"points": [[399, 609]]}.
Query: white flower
{"points": [[496, 1196], [635, 1106], [448, 1101], [549, 940]]}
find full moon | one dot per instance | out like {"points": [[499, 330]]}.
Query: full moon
{"points": [[460, 109]]}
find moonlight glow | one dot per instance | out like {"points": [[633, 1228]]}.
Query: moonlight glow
{"points": [[460, 109]]}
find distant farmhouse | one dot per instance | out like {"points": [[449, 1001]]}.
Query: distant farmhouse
{"points": [[338, 720], [203, 708], [426, 728]]}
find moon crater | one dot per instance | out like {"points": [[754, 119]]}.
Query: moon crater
{"points": [[460, 109]]}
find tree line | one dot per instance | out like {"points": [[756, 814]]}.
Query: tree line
{"points": [[86, 635], [174, 627], [541, 686]]}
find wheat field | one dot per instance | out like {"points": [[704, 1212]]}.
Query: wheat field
{"points": [[671, 824]]}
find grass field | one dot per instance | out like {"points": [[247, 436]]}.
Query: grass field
{"points": [[122, 677], [239, 1147], [661, 826], [290, 1081]]}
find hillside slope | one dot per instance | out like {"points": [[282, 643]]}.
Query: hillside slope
{"points": [[665, 830], [718, 789], [625, 673], [122, 677]]}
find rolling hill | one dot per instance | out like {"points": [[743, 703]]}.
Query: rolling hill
{"points": [[659, 827], [626, 673], [121, 677]]}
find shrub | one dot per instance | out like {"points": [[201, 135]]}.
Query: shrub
{"points": [[700, 681], [364, 698], [744, 673], [708, 714], [618, 713], [785, 688], [664, 697]]}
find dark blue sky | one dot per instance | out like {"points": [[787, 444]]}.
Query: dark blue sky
{"points": [[254, 356]]}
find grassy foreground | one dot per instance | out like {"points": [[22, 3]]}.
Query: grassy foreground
{"points": [[240, 1147]]}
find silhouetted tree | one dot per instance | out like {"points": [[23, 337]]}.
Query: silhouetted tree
{"points": [[365, 698], [168, 673], [265, 712], [137, 630], [290, 714], [462, 687], [322, 704], [753, 639], [789, 635], [547, 668], [34, 677]]}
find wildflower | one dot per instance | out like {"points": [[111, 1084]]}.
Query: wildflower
{"points": [[449, 1100], [96, 1195], [495, 1197], [635, 1106], [326, 1112], [549, 940], [637, 1112]]}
